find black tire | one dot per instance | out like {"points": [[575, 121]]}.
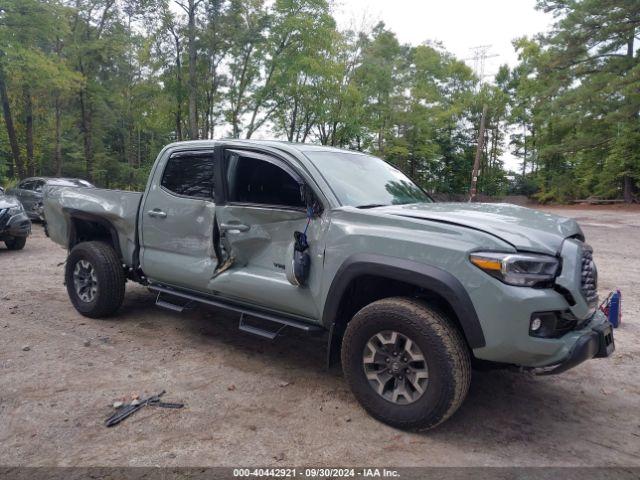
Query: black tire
{"points": [[109, 275], [444, 350], [15, 243]]}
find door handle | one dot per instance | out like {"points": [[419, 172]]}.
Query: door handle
{"points": [[157, 213], [234, 227]]}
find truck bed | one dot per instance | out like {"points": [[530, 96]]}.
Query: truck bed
{"points": [[118, 207]]}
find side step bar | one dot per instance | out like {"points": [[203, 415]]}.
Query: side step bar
{"points": [[243, 311], [172, 303], [261, 332], [168, 306]]}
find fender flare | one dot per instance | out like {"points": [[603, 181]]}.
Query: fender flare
{"points": [[89, 217], [424, 276]]}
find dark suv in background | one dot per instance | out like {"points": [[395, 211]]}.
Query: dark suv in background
{"points": [[15, 226], [30, 192]]}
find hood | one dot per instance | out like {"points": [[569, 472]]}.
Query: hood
{"points": [[524, 228], [7, 201]]}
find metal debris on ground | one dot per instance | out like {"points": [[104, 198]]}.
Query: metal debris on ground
{"points": [[127, 410]]}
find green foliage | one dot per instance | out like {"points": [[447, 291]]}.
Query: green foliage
{"points": [[576, 101], [97, 87]]}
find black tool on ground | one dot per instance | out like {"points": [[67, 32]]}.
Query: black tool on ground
{"points": [[128, 410]]}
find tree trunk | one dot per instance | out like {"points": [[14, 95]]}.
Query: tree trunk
{"points": [[534, 165], [294, 120], [179, 93], [476, 163], [57, 154], [627, 181], [11, 131], [85, 113], [139, 159], [627, 189], [207, 114], [28, 123], [524, 146], [193, 115], [57, 150]]}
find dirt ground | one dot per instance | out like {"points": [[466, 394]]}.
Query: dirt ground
{"points": [[255, 403]]}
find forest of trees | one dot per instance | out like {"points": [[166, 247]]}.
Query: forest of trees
{"points": [[95, 88]]}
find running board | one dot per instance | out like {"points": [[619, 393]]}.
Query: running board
{"points": [[170, 305], [243, 311], [260, 332]]}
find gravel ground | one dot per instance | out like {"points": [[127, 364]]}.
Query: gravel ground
{"points": [[251, 402]]}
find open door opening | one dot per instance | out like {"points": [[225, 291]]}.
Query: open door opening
{"points": [[265, 203]]}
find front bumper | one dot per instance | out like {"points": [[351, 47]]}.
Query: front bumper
{"points": [[596, 343], [16, 226]]}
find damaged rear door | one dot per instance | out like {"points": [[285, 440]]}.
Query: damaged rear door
{"points": [[177, 220], [262, 207]]}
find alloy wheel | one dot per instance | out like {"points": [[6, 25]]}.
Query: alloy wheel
{"points": [[85, 281], [395, 367]]}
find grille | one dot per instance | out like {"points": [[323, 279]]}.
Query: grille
{"points": [[589, 276], [4, 217], [564, 324]]}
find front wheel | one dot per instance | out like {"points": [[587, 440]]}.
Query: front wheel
{"points": [[15, 243], [95, 279], [406, 363]]}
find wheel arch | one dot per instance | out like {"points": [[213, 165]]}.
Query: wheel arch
{"points": [[85, 227], [405, 276]]}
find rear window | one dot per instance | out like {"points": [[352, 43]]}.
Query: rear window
{"points": [[189, 175]]}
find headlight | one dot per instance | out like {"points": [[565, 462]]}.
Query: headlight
{"points": [[525, 270], [15, 210]]}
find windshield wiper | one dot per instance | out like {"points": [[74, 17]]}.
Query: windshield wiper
{"points": [[373, 205]]}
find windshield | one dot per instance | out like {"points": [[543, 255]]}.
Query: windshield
{"points": [[364, 181]]}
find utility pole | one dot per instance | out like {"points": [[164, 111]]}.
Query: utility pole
{"points": [[480, 55], [476, 164]]}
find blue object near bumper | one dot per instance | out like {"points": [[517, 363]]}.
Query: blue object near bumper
{"points": [[612, 308]]}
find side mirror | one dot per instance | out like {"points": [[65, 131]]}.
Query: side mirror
{"points": [[310, 200]]}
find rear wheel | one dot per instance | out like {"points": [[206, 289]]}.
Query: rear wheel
{"points": [[406, 363], [95, 279], [15, 243]]}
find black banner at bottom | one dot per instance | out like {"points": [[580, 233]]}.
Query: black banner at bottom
{"points": [[405, 473]]}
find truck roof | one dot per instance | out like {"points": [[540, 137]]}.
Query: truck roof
{"points": [[281, 144]]}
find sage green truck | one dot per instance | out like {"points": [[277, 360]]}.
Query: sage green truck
{"points": [[411, 293]]}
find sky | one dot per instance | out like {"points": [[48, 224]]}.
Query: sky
{"points": [[459, 25]]}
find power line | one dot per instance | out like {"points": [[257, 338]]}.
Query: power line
{"points": [[480, 53]]}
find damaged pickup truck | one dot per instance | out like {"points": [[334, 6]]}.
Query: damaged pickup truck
{"points": [[411, 292]]}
